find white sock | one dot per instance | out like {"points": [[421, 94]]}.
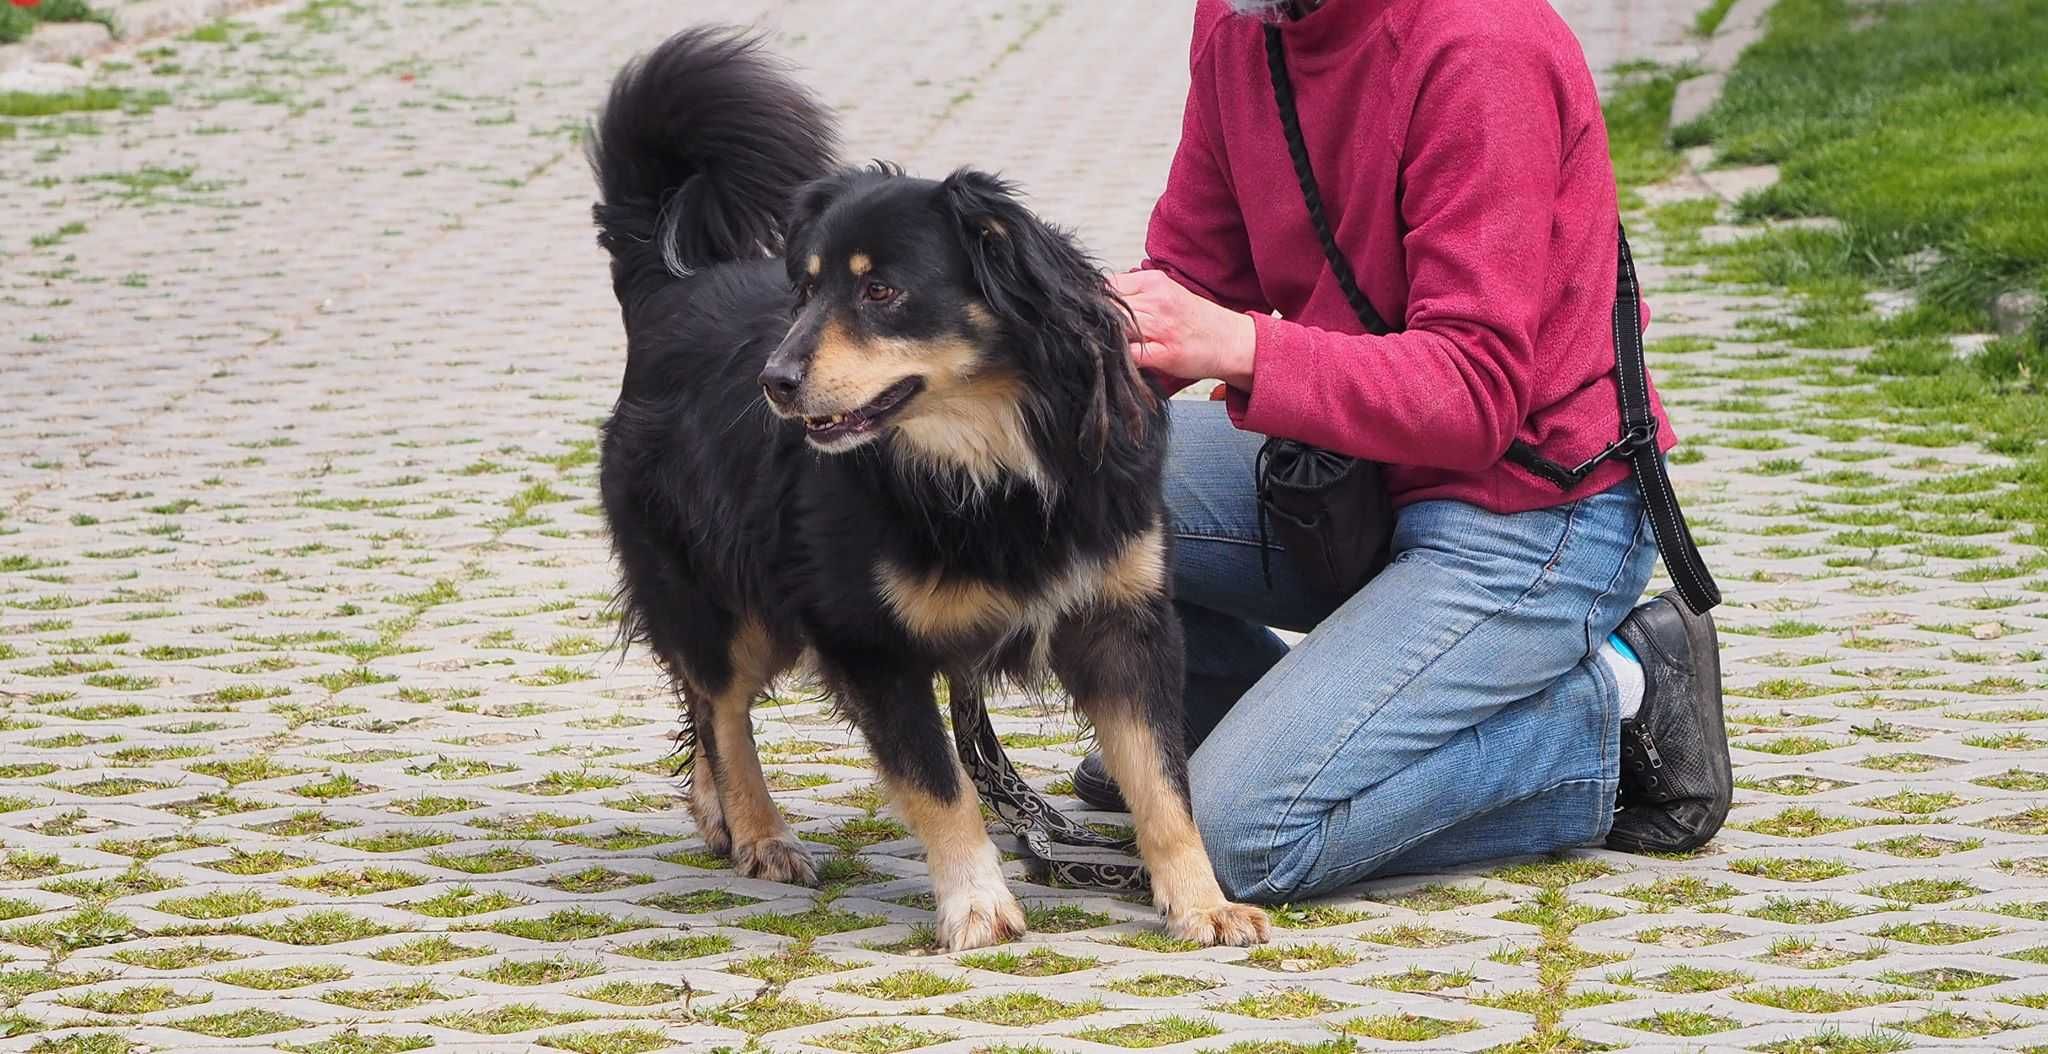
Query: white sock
{"points": [[1621, 662]]}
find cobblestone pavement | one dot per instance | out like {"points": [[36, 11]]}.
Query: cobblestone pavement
{"points": [[312, 739]]}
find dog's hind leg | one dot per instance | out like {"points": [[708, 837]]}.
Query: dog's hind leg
{"points": [[761, 843], [928, 787], [1121, 661]]}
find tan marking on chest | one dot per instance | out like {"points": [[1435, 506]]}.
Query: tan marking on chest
{"points": [[975, 426], [934, 606]]}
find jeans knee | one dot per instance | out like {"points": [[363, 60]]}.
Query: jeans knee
{"points": [[1254, 858], [1248, 874], [1231, 836]]}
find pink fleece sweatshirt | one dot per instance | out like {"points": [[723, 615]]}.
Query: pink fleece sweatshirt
{"points": [[1463, 160]]}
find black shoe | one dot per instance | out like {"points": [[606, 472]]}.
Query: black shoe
{"points": [[1093, 785], [1676, 781]]}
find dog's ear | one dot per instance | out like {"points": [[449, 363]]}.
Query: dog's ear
{"points": [[1035, 278], [1030, 273]]}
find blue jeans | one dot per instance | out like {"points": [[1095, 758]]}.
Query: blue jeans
{"points": [[1449, 712]]}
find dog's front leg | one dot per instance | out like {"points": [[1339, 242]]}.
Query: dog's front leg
{"points": [[762, 844], [928, 787], [1121, 661]]}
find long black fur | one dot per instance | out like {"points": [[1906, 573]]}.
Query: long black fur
{"points": [[709, 160]]}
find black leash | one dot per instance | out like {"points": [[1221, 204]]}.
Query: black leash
{"points": [[1638, 443]]}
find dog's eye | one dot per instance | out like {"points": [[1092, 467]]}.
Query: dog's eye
{"points": [[877, 293]]}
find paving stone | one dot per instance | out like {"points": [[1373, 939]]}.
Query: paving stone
{"points": [[2012, 312], [309, 721], [1735, 183], [1695, 96]]}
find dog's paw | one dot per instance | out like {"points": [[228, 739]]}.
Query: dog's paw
{"points": [[777, 860], [1225, 923], [979, 919]]}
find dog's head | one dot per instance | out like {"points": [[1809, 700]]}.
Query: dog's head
{"points": [[946, 315]]}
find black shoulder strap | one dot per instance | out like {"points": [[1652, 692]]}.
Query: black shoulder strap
{"points": [[1639, 435], [1638, 440], [1312, 195]]}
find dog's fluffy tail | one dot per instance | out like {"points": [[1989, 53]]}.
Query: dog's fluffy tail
{"points": [[699, 152]]}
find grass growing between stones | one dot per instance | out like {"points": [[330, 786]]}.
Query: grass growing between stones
{"points": [[1039, 962], [881, 1039], [1020, 1008], [1160, 985], [672, 949], [1837, 1041], [910, 984], [623, 1041], [1283, 1004], [351, 1041], [1404, 1028], [283, 978], [1557, 962], [1157, 1032], [516, 1017]]}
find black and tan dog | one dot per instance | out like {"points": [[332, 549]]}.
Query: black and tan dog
{"points": [[912, 445]]}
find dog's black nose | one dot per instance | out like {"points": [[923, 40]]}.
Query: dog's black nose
{"points": [[780, 382]]}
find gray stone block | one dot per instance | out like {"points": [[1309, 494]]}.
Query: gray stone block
{"points": [[1733, 184], [42, 76], [2014, 311], [148, 18], [64, 41], [1970, 345], [1741, 28], [1695, 97]]}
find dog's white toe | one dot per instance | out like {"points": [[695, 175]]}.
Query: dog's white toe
{"points": [[1225, 923], [978, 919]]}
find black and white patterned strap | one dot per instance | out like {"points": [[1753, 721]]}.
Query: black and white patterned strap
{"points": [[1035, 822]]}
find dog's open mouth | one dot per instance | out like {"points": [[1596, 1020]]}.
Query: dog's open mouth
{"points": [[866, 419]]}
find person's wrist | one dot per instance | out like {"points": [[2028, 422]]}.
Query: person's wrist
{"points": [[1243, 345]]}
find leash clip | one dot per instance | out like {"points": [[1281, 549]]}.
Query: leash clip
{"points": [[1638, 436]]}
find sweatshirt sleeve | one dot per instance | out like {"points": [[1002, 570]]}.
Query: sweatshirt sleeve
{"points": [[1196, 234], [1479, 177]]}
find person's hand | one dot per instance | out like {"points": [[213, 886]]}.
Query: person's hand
{"points": [[1183, 335]]}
